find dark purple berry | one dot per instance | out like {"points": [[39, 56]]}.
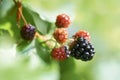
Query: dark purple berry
{"points": [[28, 32]]}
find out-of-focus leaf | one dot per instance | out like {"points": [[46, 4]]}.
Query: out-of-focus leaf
{"points": [[67, 68], [7, 27], [5, 5], [13, 28], [43, 51]]}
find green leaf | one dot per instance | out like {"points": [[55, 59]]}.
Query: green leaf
{"points": [[25, 46], [43, 51], [5, 5], [28, 16], [7, 27], [12, 27], [43, 26], [67, 69]]}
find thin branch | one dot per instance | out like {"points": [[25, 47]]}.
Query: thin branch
{"points": [[39, 36], [46, 40], [18, 4], [24, 20]]}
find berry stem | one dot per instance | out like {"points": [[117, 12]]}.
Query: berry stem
{"points": [[37, 35], [46, 40], [20, 11]]}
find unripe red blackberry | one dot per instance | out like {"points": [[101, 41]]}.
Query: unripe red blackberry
{"points": [[60, 53], [82, 49], [28, 32], [62, 21], [61, 35], [82, 33]]}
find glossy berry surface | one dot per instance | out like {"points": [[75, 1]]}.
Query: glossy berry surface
{"points": [[82, 49], [82, 33], [60, 53], [61, 35], [28, 32], [62, 21]]}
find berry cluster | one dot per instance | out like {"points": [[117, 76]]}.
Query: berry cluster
{"points": [[62, 22], [61, 35], [79, 48]]}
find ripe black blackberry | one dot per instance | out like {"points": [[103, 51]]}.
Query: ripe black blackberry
{"points": [[28, 32], [82, 49]]}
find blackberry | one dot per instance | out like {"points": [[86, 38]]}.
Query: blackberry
{"points": [[28, 32], [60, 53], [62, 21], [60, 35], [82, 33], [82, 49]]}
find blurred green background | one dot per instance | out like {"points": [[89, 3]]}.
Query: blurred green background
{"points": [[100, 17]]}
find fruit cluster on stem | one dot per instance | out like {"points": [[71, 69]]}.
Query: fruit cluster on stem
{"points": [[79, 48]]}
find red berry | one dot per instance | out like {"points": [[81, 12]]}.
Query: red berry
{"points": [[60, 35], [82, 33], [62, 21], [28, 32], [60, 53]]}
